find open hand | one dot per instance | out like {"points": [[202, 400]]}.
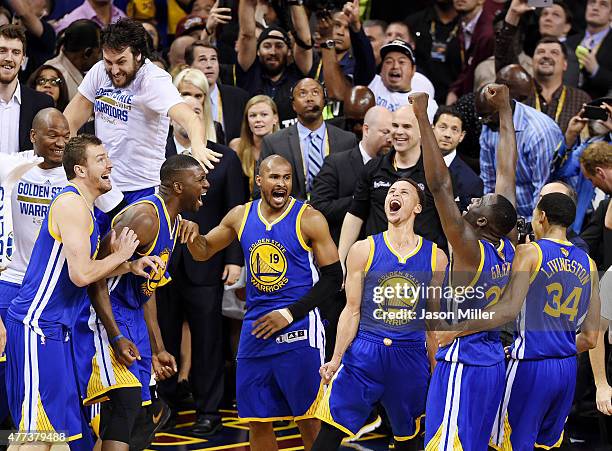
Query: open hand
{"points": [[188, 231], [154, 263], [217, 16], [205, 156], [125, 244], [269, 324]]}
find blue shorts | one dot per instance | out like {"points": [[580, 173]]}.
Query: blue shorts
{"points": [[98, 368], [461, 406], [371, 372], [282, 386], [8, 292], [42, 386], [537, 399]]}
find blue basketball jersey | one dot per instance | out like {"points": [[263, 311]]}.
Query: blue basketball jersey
{"points": [[130, 290], [482, 348], [48, 300], [280, 270], [556, 303], [395, 289]]}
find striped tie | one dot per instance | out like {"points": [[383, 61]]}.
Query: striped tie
{"points": [[315, 159]]}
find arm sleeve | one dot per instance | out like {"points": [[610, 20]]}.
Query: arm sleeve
{"points": [[487, 162], [365, 64], [504, 50], [329, 283]]}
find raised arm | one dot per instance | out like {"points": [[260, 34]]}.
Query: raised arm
{"points": [[28, 18], [203, 247], [457, 230], [303, 56], [348, 324], [506, 154], [337, 85], [77, 112], [247, 42]]}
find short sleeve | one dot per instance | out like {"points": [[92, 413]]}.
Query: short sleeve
{"points": [[92, 81], [158, 92]]}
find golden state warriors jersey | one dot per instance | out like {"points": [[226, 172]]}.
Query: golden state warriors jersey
{"points": [[48, 300], [280, 270], [395, 289], [556, 303], [130, 290], [464, 303]]}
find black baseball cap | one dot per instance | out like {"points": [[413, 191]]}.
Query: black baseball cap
{"points": [[397, 45], [265, 34]]}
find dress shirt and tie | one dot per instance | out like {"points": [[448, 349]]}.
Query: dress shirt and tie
{"points": [[312, 144], [537, 139], [468, 30], [215, 102], [9, 118]]}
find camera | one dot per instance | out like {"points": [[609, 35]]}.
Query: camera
{"points": [[524, 230]]}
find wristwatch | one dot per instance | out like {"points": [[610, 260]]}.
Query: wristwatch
{"points": [[328, 44]]}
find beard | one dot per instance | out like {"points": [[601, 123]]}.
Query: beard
{"points": [[273, 71], [129, 77], [7, 79]]}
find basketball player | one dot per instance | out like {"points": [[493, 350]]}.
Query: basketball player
{"points": [[384, 325], [554, 290], [155, 222], [40, 377], [282, 341], [467, 383]]}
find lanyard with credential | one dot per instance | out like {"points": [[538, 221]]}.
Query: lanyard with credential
{"points": [[559, 105]]}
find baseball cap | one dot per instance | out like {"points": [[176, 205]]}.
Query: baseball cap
{"points": [[397, 45], [265, 34], [190, 23]]}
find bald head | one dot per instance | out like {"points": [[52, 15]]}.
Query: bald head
{"points": [[376, 115], [272, 163], [176, 54], [49, 135], [46, 116], [358, 102], [377, 130], [518, 80]]}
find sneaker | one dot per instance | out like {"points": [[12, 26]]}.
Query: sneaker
{"points": [[372, 424]]}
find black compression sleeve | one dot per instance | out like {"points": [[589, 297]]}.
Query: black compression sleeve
{"points": [[329, 283]]}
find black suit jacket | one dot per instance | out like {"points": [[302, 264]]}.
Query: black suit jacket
{"points": [[227, 189], [286, 143], [31, 103], [233, 101], [466, 184], [334, 185], [599, 85]]}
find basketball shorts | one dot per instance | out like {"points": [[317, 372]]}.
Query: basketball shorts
{"points": [[8, 292], [98, 367], [537, 399], [396, 376], [461, 406], [42, 386], [282, 386]]}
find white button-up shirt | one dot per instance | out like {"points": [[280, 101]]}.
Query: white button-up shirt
{"points": [[9, 118]]}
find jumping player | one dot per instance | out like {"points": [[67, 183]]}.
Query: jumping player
{"points": [[155, 222], [282, 340], [40, 377], [384, 325], [554, 290], [467, 383]]}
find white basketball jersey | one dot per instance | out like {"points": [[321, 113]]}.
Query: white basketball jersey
{"points": [[30, 200]]}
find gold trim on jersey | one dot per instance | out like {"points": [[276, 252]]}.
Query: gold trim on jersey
{"points": [[140, 202], [371, 254], [563, 242], [480, 265], [506, 444], [277, 220], [556, 445], [417, 429], [434, 443], [263, 419], [401, 259], [245, 215], [434, 257], [298, 228], [323, 409], [54, 235], [312, 410], [539, 264]]}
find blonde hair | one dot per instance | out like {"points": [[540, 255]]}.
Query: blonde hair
{"points": [[596, 155], [247, 142], [197, 78]]}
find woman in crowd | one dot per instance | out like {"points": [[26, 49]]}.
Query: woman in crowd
{"points": [[49, 80], [192, 83], [259, 120]]}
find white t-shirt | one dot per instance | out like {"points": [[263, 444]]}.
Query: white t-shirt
{"points": [[30, 201], [394, 100], [132, 122], [12, 167]]}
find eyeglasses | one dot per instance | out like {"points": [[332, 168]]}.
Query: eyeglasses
{"points": [[53, 81]]}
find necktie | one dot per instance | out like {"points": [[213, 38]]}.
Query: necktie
{"points": [[315, 159]]}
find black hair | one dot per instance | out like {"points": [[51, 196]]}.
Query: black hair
{"points": [[566, 9], [174, 166], [376, 23], [560, 209], [551, 40], [419, 190], [189, 51], [63, 98], [504, 214], [80, 35], [445, 109], [126, 33], [75, 152]]}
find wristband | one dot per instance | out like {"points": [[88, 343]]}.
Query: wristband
{"points": [[285, 313], [114, 340]]}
